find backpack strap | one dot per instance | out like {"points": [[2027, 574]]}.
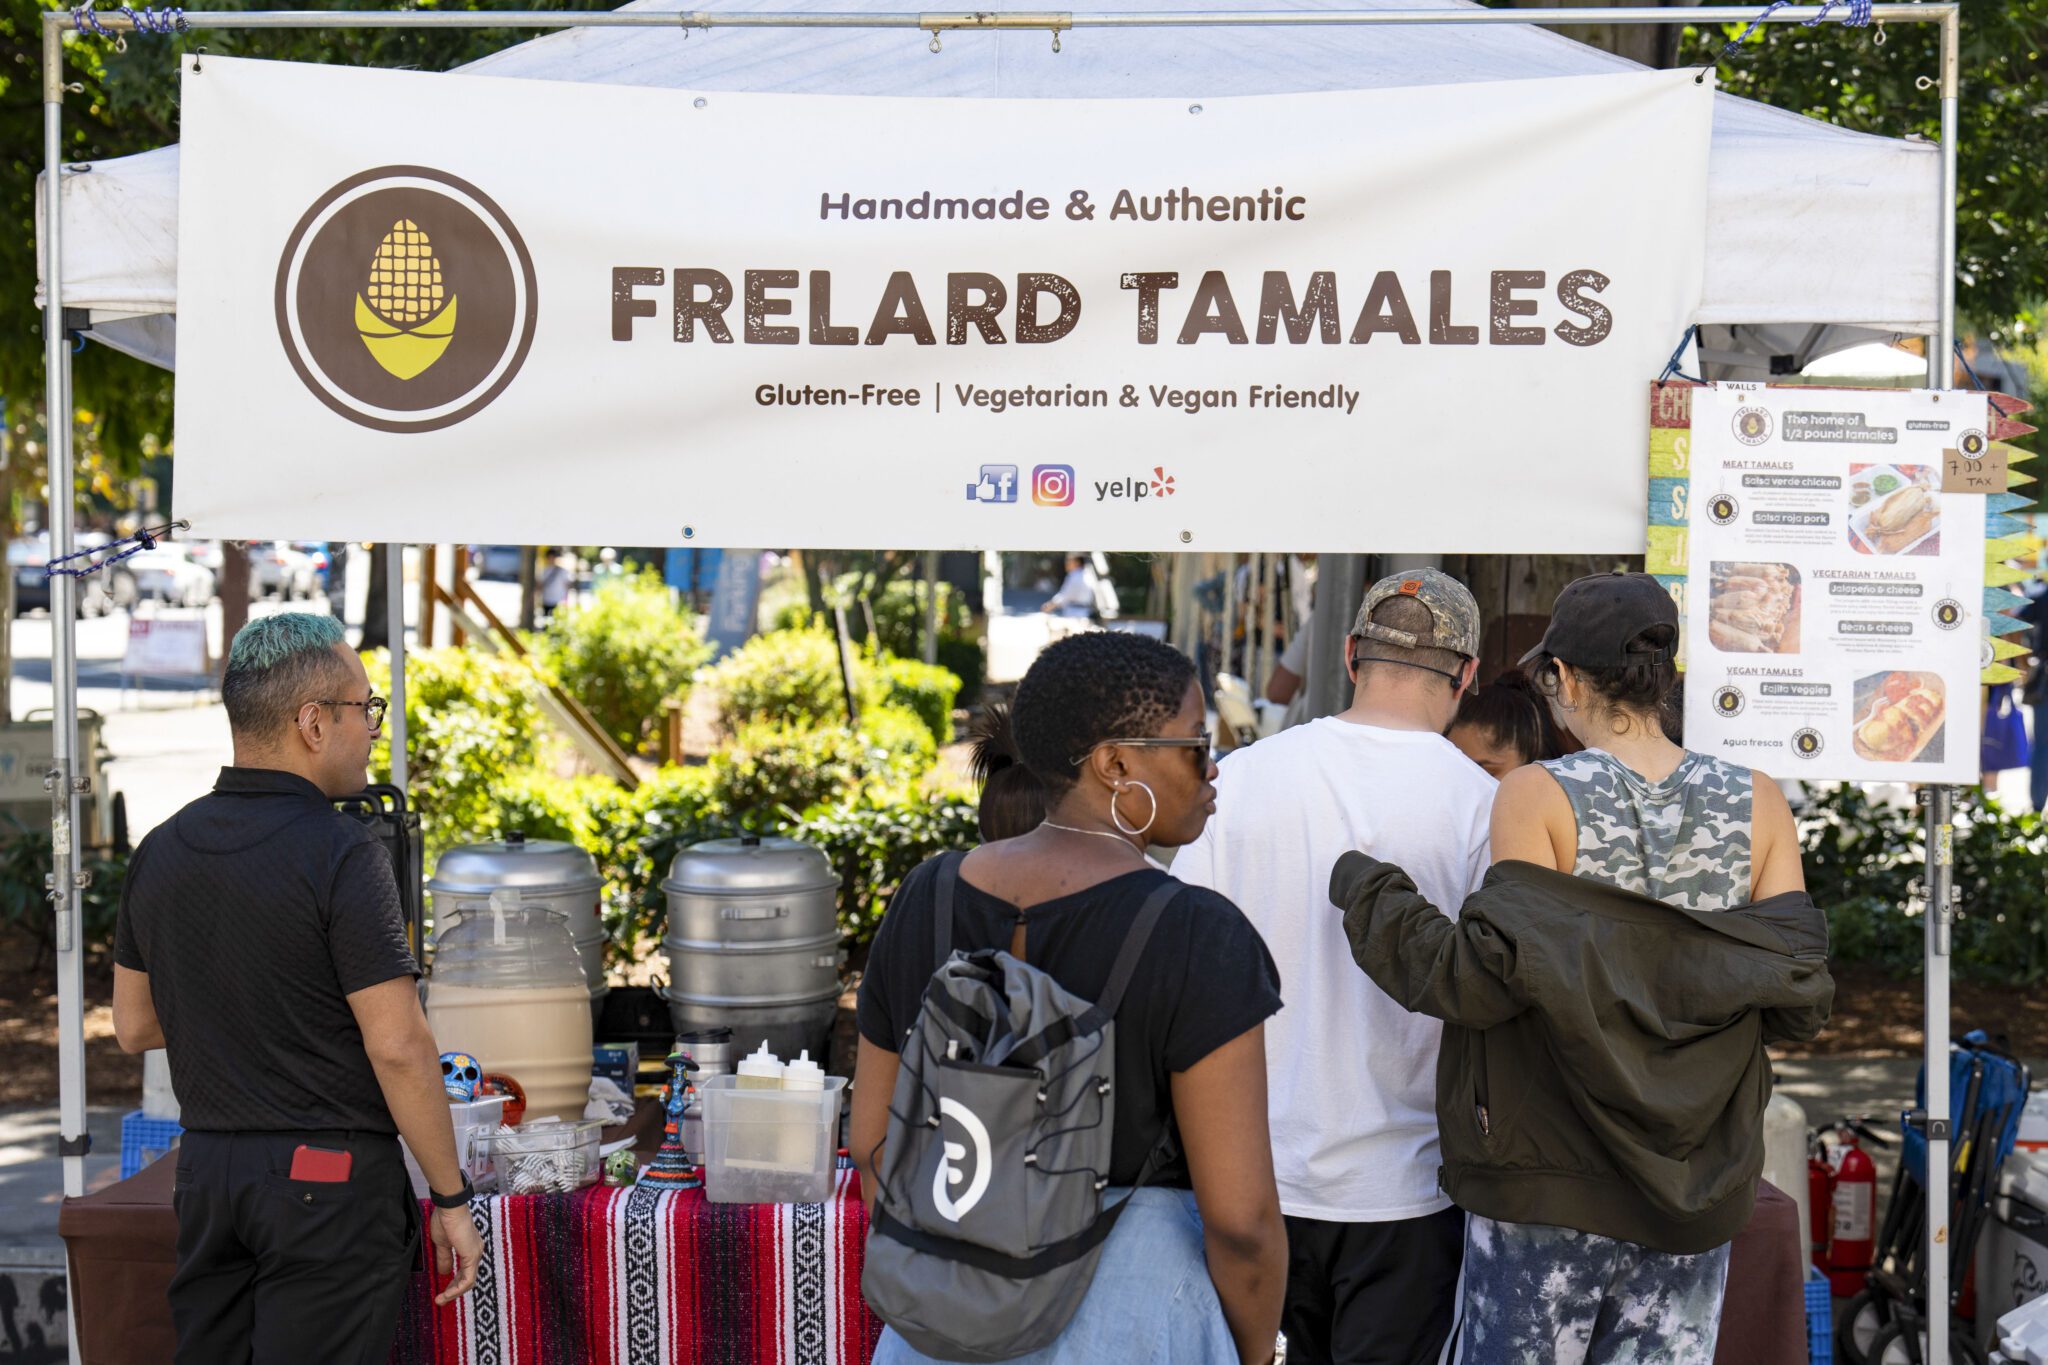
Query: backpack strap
{"points": [[942, 907], [1140, 933]]}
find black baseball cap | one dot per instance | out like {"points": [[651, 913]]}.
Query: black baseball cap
{"points": [[1596, 617]]}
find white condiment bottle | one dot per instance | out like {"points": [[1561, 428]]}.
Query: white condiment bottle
{"points": [[760, 1070], [803, 1073]]}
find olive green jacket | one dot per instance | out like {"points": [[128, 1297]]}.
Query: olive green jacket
{"points": [[1603, 1061]]}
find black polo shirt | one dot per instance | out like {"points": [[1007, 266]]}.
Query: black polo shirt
{"points": [[256, 910]]}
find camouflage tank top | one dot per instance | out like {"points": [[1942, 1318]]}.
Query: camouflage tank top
{"points": [[1684, 840]]}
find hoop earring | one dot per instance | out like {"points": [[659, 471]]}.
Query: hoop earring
{"points": [[1117, 819]]}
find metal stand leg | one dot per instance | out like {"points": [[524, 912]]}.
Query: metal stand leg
{"points": [[1940, 803]]}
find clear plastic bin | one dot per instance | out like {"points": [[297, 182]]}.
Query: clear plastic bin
{"points": [[769, 1146], [474, 1122], [546, 1157]]}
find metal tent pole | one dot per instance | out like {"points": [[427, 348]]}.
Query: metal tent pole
{"points": [[1053, 20], [1941, 800], [394, 631], [64, 878]]}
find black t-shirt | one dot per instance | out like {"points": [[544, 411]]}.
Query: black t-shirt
{"points": [[256, 910], [1204, 979]]}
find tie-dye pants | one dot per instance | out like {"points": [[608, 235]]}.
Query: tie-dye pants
{"points": [[1537, 1295]]}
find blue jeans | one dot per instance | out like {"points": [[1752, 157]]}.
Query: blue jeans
{"points": [[1150, 1303]]}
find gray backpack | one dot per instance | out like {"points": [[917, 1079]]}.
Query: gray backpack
{"points": [[989, 1220]]}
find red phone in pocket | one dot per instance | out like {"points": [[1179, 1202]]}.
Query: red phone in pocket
{"points": [[321, 1165]]}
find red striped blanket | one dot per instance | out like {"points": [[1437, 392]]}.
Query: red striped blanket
{"points": [[638, 1277]]}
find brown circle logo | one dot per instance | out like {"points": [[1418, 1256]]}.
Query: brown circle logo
{"points": [[1752, 426], [406, 299]]}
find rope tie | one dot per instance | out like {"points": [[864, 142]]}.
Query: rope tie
{"points": [[1671, 370], [160, 23], [112, 552], [1859, 17]]}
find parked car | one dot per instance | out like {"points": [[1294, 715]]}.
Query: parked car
{"points": [[99, 594], [168, 574], [315, 550], [499, 562], [278, 570]]}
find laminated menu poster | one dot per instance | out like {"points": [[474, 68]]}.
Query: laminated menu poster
{"points": [[1833, 589]]}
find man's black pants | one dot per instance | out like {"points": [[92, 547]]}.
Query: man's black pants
{"points": [[272, 1269], [1372, 1293]]}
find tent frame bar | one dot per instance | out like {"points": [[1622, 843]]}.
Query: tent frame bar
{"points": [[1051, 20], [67, 880]]}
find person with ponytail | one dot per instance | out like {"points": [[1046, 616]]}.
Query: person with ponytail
{"points": [[1607, 994], [1110, 728], [1012, 797]]}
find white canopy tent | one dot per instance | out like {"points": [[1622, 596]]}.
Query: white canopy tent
{"points": [[1794, 269], [1785, 194]]}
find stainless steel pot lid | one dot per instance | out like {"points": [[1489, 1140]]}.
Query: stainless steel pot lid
{"points": [[750, 864], [538, 865]]}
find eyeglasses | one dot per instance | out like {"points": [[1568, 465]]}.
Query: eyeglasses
{"points": [[1200, 743], [373, 710]]}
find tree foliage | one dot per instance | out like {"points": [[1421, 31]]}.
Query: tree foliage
{"points": [[127, 102], [1844, 76]]}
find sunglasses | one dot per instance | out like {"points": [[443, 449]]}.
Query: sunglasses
{"points": [[1200, 743]]}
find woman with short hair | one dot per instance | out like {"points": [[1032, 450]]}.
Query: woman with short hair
{"points": [[1112, 725]]}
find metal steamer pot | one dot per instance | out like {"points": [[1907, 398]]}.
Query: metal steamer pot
{"points": [[753, 942], [545, 872]]}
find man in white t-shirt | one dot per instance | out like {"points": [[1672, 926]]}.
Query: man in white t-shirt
{"points": [[1374, 1245]]}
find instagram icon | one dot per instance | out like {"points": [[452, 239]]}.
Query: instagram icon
{"points": [[1052, 485]]}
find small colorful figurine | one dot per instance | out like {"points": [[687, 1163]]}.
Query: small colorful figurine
{"points": [[671, 1168], [618, 1168], [459, 1074]]}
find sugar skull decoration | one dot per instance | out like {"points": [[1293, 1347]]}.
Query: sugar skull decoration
{"points": [[459, 1075]]}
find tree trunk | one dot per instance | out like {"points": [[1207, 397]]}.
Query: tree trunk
{"points": [[234, 595], [529, 581], [376, 606], [814, 582], [7, 592]]}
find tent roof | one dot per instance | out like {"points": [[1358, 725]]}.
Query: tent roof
{"points": [[1787, 196]]}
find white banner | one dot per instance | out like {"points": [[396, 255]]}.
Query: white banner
{"points": [[438, 308], [1835, 589]]}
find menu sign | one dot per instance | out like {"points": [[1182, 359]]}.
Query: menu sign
{"points": [[1833, 590]]}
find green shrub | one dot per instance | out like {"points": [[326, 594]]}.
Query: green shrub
{"points": [[471, 724], [899, 614], [898, 743], [925, 689], [26, 859], [967, 661], [543, 806], [875, 837], [786, 676], [622, 652], [1864, 864], [795, 615], [671, 810], [776, 770]]}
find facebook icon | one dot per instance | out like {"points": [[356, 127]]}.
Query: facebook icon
{"points": [[998, 483]]}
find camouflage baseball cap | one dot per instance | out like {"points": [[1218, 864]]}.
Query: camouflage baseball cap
{"points": [[1450, 605]]}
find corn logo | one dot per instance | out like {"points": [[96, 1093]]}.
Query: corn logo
{"points": [[406, 299]]}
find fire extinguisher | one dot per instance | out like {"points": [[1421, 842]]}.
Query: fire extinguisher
{"points": [[1852, 1242], [1820, 1200]]}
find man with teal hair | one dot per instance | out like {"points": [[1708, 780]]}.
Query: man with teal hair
{"points": [[261, 941]]}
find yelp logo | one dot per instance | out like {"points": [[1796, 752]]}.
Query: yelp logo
{"points": [[1159, 485]]}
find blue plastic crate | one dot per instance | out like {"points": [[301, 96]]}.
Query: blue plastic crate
{"points": [[144, 1139], [1820, 1319]]}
